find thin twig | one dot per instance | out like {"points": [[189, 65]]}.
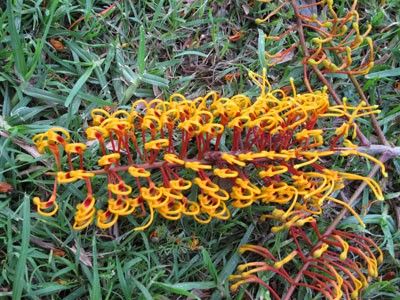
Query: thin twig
{"points": [[103, 12], [212, 156], [334, 223], [360, 135], [387, 151], [28, 148], [374, 121], [352, 201]]}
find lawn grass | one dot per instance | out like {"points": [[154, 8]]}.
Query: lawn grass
{"points": [[124, 50]]}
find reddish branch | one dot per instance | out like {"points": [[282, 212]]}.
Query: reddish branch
{"points": [[363, 139], [212, 156]]}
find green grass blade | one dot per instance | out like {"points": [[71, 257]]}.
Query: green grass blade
{"points": [[39, 47], [142, 51], [190, 53], [16, 43], [78, 85], [174, 289], [395, 72], [19, 281], [145, 292], [122, 281], [155, 80], [209, 264], [45, 96], [261, 49], [230, 266], [195, 285], [96, 290]]}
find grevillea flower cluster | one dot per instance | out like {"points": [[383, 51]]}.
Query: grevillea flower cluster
{"points": [[339, 264], [333, 39], [201, 158]]}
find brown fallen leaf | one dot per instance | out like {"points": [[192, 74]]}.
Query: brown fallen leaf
{"points": [[58, 252], [282, 56], [397, 85], [5, 187], [103, 12], [229, 77], [235, 37], [58, 45]]}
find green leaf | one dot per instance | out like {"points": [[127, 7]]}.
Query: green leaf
{"points": [[142, 51], [196, 285], [388, 236], [183, 288], [231, 264], [16, 43], [145, 292], [122, 281], [234, 260], [38, 51], [78, 85], [172, 289], [261, 48], [209, 264], [384, 74], [26, 113], [155, 80], [96, 291], [43, 95], [19, 280], [190, 52], [50, 289]]}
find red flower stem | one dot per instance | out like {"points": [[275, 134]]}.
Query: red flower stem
{"points": [[185, 141], [144, 142], [165, 177], [134, 140], [282, 272], [138, 183], [102, 146], [248, 135], [71, 167], [89, 186], [170, 128], [153, 133], [324, 284], [119, 138], [81, 166], [115, 174], [54, 192], [217, 142], [198, 143], [345, 270], [335, 222], [128, 152], [112, 142], [366, 247], [56, 153], [264, 252], [353, 236]]}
